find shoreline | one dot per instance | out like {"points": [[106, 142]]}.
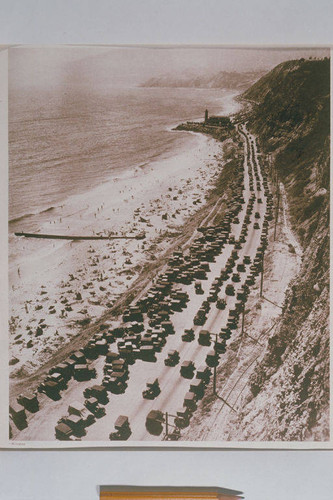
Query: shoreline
{"points": [[58, 290]]}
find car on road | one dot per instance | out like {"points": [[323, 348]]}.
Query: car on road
{"points": [[204, 373], [200, 318], [240, 268], [187, 369], [221, 304], [63, 432], [234, 255], [235, 278], [190, 401], [220, 346], [75, 422], [84, 372], [204, 338], [96, 409], [29, 401], [78, 357], [18, 414], [97, 391], [147, 353], [154, 422], [172, 359], [247, 259], [182, 418], [115, 383], [198, 387], [212, 297], [76, 408], [123, 429], [51, 388], [230, 289], [212, 358], [198, 288], [188, 335], [153, 389]]}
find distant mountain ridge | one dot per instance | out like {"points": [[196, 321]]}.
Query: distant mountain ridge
{"points": [[223, 79]]}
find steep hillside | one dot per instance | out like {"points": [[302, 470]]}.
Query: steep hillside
{"points": [[290, 113]]}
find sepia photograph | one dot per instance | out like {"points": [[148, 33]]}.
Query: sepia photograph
{"points": [[168, 246]]}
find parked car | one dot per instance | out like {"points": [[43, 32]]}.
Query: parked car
{"points": [[63, 432], [172, 359], [18, 415], [198, 288], [182, 418], [187, 369], [84, 372], [190, 401], [212, 359], [123, 429], [204, 337], [76, 408], [153, 389], [188, 335], [230, 289], [221, 303], [76, 424], [204, 373], [29, 401], [96, 409], [154, 422], [97, 391]]}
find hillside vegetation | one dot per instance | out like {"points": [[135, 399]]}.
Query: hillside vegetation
{"points": [[290, 113]]}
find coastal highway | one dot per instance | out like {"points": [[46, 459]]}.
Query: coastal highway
{"points": [[173, 385]]}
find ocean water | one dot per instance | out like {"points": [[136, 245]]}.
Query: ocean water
{"points": [[69, 140]]}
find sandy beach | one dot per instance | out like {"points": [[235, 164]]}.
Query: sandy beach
{"points": [[56, 287]]}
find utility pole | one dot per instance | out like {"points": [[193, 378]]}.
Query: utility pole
{"points": [[277, 209], [243, 318], [262, 272], [215, 368], [214, 382]]}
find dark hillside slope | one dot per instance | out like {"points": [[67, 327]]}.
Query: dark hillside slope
{"points": [[290, 113]]}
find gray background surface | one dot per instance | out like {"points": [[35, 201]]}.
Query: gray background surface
{"points": [[262, 475]]}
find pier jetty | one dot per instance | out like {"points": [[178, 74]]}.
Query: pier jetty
{"points": [[140, 236]]}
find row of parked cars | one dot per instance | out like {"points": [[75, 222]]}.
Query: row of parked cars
{"points": [[81, 415], [156, 419], [135, 341]]}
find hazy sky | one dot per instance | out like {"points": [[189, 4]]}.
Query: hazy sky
{"points": [[132, 65]]}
